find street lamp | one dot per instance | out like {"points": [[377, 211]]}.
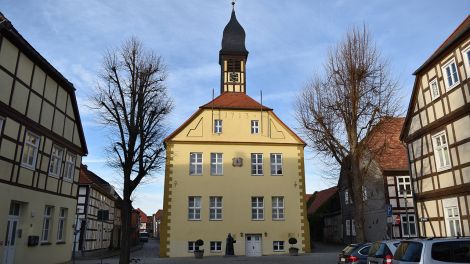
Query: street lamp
{"points": [[405, 195]]}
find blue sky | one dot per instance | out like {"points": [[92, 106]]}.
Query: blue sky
{"points": [[287, 41]]}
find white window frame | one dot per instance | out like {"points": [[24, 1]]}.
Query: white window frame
{"points": [[217, 126], [215, 208], [46, 223], [276, 164], [353, 227], [446, 76], [55, 164], [257, 208], [278, 246], [69, 168], [195, 165], [216, 246], [403, 223], [441, 149], [194, 208], [278, 212], [217, 164], [191, 246], [348, 227], [466, 55], [254, 126], [256, 165], [28, 145], [406, 182], [61, 226], [435, 83], [453, 222]]}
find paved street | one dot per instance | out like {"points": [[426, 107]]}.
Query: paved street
{"points": [[149, 254]]}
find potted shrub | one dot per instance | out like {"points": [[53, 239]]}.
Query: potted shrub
{"points": [[199, 253], [293, 251]]}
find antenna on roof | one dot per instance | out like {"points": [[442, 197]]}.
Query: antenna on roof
{"points": [[261, 110], [212, 109]]}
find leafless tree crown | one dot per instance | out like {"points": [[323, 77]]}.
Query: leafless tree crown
{"points": [[132, 101], [337, 109]]}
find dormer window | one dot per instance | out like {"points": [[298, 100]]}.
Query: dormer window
{"points": [[254, 127], [451, 75], [218, 126]]}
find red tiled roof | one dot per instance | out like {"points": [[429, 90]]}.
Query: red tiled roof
{"points": [[159, 214], [232, 100], [87, 177], [458, 32], [307, 197], [143, 216], [320, 198], [385, 139]]}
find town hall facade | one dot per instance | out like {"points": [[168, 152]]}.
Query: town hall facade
{"points": [[234, 168]]}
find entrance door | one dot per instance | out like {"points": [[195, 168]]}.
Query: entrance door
{"points": [[10, 240], [253, 245]]}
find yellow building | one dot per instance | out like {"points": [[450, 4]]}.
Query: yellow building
{"points": [[234, 167], [41, 144]]}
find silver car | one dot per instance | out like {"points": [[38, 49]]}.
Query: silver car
{"points": [[381, 252], [433, 251]]}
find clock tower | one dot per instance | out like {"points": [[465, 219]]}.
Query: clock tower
{"points": [[232, 57]]}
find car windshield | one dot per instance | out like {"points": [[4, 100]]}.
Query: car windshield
{"points": [[451, 251], [349, 249], [374, 249], [409, 251], [144, 234], [364, 251]]}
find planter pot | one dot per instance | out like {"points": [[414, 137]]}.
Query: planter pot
{"points": [[293, 251], [199, 254]]}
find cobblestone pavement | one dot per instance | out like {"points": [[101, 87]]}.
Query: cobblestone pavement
{"points": [[321, 258], [149, 254]]}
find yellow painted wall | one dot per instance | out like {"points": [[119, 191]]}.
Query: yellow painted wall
{"points": [[31, 220], [236, 185]]}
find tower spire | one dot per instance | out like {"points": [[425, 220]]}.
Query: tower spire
{"points": [[233, 56]]}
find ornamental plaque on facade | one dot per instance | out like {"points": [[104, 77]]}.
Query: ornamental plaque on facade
{"points": [[237, 162]]}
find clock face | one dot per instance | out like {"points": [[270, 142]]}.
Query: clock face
{"points": [[233, 77]]}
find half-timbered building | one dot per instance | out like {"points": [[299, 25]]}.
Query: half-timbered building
{"points": [[437, 133], [95, 212], [41, 146], [386, 182]]}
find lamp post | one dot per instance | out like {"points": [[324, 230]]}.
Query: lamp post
{"points": [[405, 195]]}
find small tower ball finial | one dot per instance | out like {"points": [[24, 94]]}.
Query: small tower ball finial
{"points": [[233, 3]]}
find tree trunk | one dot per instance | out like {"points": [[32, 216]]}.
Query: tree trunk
{"points": [[126, 219], [356, 186]]}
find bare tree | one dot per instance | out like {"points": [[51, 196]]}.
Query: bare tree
{"points": [[338, 109], [132, 101]]}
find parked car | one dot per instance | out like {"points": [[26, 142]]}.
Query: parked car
{"points": [[382, 252], [144, 237], [430, 251], [354, 254]]}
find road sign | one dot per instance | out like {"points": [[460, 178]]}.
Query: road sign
{"points": [[397, 220], [389, 210]]}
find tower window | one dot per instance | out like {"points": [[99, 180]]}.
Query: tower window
{"points": [[234, 66]]}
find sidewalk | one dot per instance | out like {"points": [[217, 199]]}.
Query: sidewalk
{"points": [[103, 253]]}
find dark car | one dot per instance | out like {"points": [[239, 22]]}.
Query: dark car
{"points": [[354, 254], [381, 252], [144, 237]]}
